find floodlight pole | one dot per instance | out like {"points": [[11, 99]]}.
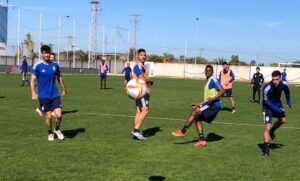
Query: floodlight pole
{"points": [[196, 35], [40, 36], [74, 43], [185, 54], [18, 51], [103, 42], [89, 59], [58, 40]]}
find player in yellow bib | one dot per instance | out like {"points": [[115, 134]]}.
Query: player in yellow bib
{"points": [[206, 110]]}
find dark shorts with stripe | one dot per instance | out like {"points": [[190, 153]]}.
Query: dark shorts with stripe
{"points": [[143, 102], [270, 114], [209, 112], [24, 73], [49, 104], [127, 78], [228, 93]]}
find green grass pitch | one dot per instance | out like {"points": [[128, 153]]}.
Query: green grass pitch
{"points": [[98, 146]]}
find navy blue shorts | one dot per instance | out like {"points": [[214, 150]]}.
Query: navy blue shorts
{"points": [[48, 104], [127, 79], [228, 93], [102, 76], [24, 72], [143, 102], [269, 114], [209, 112]]}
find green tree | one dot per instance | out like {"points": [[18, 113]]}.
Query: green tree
{"points": [[253, 63], [181, 58], [219, 60], [243, 63], [155, 58], [167, 57], [234, 60], [274, 64]]}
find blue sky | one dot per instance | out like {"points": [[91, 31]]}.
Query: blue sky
{"points": [[263, 29]]}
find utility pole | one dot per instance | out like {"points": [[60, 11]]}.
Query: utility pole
{"points": [[136, 26], [69, 43], [93, 40], [257, 53], [196, 35]]}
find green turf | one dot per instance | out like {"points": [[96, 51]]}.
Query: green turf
{"points": [[98, 146]]}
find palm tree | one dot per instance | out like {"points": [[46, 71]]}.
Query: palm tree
{"points": [[30, 46]]}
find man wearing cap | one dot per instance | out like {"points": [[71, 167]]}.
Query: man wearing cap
{"points": [[226, 78], [256, 82]]}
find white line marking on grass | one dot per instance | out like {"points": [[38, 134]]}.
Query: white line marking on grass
{"points": [[162, 118]]}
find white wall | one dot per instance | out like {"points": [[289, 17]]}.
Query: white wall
{"points": [[242, 73]]}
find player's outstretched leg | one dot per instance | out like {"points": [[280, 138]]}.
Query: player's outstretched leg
{"points": [[181, 133]]}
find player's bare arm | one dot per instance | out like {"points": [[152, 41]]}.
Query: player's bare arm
{"points": [[62, 85], [32, 88]]}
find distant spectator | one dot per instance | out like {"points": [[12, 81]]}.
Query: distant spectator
{"points": [[24, 70], [103, 74], [127, 73], [256, 82], [283, 75]]}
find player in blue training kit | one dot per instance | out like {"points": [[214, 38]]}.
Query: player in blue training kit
{"points": [[46, 72], [24, 70], [272, 107], [283, 75], [40, 113], [127, 73]]}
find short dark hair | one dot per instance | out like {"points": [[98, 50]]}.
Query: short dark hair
{"points": [[209, 66], [276, 73], [224, 63], [46, 48], [141, 50], [258, 68]]}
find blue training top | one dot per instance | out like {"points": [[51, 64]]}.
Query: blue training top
{"points": [[127, 71], [138, 70], [271, 96], [46, 76], [24, 66], [283, 76]]}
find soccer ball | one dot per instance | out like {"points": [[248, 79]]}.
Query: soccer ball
{"points": [[136, 88]]}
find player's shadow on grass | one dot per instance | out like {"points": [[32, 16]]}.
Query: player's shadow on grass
{"points": [[211, 137], [151, 131], [157, 178], [72, 133], [226, 109], [256, 101], [67, 112], [107, 88], [1, 97], [271, 146]]}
